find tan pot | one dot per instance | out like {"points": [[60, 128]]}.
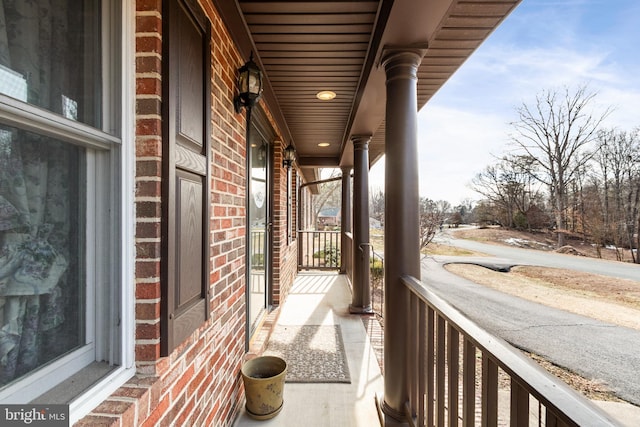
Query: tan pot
{"points": [[263, 379]]}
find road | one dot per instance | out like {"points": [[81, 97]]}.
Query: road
{"points": [[594, 349], [547, 259]]}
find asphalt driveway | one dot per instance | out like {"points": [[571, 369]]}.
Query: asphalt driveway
{"points": [[594, 349]]}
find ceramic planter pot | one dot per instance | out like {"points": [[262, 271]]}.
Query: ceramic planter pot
{"points": [[263, 379]]}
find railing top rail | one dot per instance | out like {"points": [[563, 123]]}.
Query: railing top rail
{"points": [[567, 404]]}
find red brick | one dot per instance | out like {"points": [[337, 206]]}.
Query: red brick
{"points": [[148, 209], [151, 44], [148, 290], [148, 24], [130, 392], [147, 311], [157, 413], [115, 407], [187, 412], [148, 250], [149, 147], [182, 382], [145, 331], [148, 168], [98, 421], [147, 352], [149, 63], [147, 230], [149, 5], [148, 126]]}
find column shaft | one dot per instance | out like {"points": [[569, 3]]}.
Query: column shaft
{"points": [[401, 235], [345, 218], [361, 301]]}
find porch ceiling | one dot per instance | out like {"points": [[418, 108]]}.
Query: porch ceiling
{"points": [[305, 47]]}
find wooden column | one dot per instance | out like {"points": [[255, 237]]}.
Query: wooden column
{"points": [[401, 235], [361, 298], [345, 217]]}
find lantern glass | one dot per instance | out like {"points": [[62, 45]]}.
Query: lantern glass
{"points": [[289, 153], [254, 82], [243, 86], [249, 85]]}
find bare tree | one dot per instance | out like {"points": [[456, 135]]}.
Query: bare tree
{"points": [[376, 204], [328, 195], [556, 133], [510, 186], [432, 217], [619, 164]]}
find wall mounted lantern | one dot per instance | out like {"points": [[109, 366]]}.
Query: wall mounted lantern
{"points": [[249, 85], [289, 156]]}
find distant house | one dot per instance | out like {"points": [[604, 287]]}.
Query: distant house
{"points": [[329, 217]]}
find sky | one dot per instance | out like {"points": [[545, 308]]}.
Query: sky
{"points": [[542, 45]]}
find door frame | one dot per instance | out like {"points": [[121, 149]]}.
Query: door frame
{"points": [[260, 123]]}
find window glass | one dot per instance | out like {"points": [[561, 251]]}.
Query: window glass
{"points": [[41, 238], [58, 203], [50, 56]]}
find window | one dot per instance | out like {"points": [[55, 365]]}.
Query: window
{"points": [[60, 153]]}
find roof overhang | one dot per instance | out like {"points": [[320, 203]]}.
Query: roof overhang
{"points": [[304, 47]]}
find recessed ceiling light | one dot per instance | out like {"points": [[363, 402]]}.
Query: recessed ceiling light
{"points": [[324, 144], [325, 95]]}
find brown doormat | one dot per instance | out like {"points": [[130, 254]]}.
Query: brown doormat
{"points": [[314, 353]]}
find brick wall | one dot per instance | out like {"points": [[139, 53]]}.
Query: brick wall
{"points": [[199, 382]]}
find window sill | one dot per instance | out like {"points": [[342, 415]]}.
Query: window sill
{"points": [[87, 389], [74, 386]]}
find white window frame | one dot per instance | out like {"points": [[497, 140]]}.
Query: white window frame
{"points": [[113, 160], [123, 249]]}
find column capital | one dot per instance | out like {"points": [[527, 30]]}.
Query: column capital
{"points": [[402, 61], [360, 142]]}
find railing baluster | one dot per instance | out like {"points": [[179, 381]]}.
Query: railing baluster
{"points": [[422, 369], [453, 352], [489, 391], [430, 365], [334, 250], [550, 419], [440, 371], [315, 241], [519, 405], [412, 362], [469, 384], [553, 421]]}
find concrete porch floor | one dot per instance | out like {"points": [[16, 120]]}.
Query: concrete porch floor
{"points": [[323, 299]]}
